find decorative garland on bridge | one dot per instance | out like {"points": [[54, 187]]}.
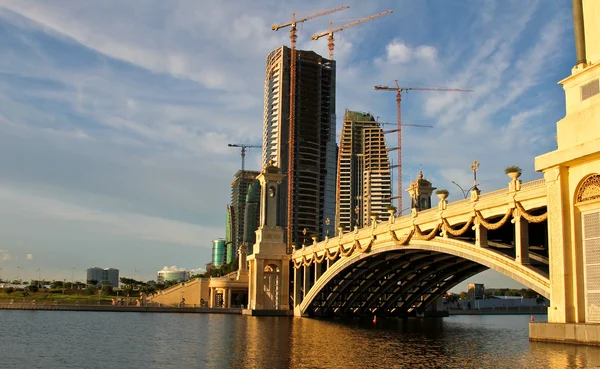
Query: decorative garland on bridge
{"points": [[457, 232], [404, 241], [531, 218], [428, 237], [493, 226], [416, 234]]}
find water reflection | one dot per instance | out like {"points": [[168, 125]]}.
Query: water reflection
{"points": [[120, 340]]}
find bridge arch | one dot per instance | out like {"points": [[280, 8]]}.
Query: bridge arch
{"points": [[404, 279]]}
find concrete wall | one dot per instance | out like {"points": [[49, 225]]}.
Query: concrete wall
{"points": [[192, 291]]}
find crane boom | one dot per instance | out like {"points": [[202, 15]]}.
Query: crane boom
{"points": [[355, 23], [398, 91], [316, 15]]}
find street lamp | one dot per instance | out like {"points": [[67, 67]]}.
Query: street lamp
{"points": [[304, 239], [356, 211], [327, 222], [474, 168]]}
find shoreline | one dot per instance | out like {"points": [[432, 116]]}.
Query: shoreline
{"points": [[124, 309]]}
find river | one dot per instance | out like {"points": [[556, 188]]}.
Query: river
{"points": [[71, 339]]}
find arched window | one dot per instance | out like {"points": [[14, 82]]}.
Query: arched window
{"points": [[589, 190]]}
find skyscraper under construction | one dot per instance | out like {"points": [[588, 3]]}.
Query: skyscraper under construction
{"points": [[364, 183], [314, 147]]}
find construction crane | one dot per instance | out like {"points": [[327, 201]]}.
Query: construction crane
{"points": [[244, 147], [355, 23], [292, 117], [240, 207], [399, 90]]}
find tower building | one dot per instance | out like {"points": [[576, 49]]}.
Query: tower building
{"points": [[239, 191], [364, 183], [314, 144], [420, 193]]}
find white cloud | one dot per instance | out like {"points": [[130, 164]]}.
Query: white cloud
{"points": [[28, 256], [397, 52], [172, 268], [4, 255]]}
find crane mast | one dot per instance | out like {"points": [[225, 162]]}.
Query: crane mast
{"points": [[241, 183], [292, 116], [399, 90], [355, 23]]}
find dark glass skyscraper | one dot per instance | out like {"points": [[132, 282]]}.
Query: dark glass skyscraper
{"points": [[315, 149]]}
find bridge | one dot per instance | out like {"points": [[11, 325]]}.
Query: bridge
{"points": [[403, 266]]}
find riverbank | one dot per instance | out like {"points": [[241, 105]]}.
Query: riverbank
{"points": [[518, 310], [117, 308]]}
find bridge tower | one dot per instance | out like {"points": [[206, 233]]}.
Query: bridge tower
{"points": [[572, 174], [269, 264], [420, 193]]}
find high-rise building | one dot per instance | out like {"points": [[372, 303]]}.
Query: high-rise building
{"points": [[252, 215], [219, 252], [103, 276], [313, 195], [239, 190], [364, 182]]}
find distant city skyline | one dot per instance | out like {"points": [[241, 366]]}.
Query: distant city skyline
{"points": [[114, 123]]}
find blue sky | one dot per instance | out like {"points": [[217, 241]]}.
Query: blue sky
{"points": [[115, 116]]}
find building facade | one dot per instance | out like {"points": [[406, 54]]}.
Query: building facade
{"points": [[314, 147], [475, 291], [103, 276], [364, 181]]}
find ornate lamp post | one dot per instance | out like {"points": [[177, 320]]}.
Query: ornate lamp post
{"points": [[356, 211], [327, 223], [304, 239], [474, 168]]}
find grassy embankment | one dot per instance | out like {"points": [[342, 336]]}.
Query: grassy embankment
{"points": [[45, 297]]}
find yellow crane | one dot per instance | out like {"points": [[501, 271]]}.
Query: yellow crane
{"points": [[292, 118], [355, 23], [399, 90]]}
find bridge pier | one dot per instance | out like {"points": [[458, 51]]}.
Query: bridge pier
{"points": [[572, 174]]}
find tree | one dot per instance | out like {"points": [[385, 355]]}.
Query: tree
{"points": [[56, 284], [106, 289], [463, 295], [32, 288], [9, 290], [93, 282]]}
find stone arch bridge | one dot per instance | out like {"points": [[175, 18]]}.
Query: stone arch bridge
{"points": [[402, 267]]}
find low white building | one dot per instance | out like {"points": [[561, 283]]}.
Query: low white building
{"points": [[173, 275]]}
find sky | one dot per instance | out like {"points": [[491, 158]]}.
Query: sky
{"points": [[115, 115]]}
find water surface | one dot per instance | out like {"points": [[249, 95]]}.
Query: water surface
{"points": [[70, 339]]}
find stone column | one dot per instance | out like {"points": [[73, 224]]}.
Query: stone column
{"points": [[521, 240], [284, 286], [481, 239], [228, 298], [297, 287], [259, 285], [561, 309], [211, 300]]}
